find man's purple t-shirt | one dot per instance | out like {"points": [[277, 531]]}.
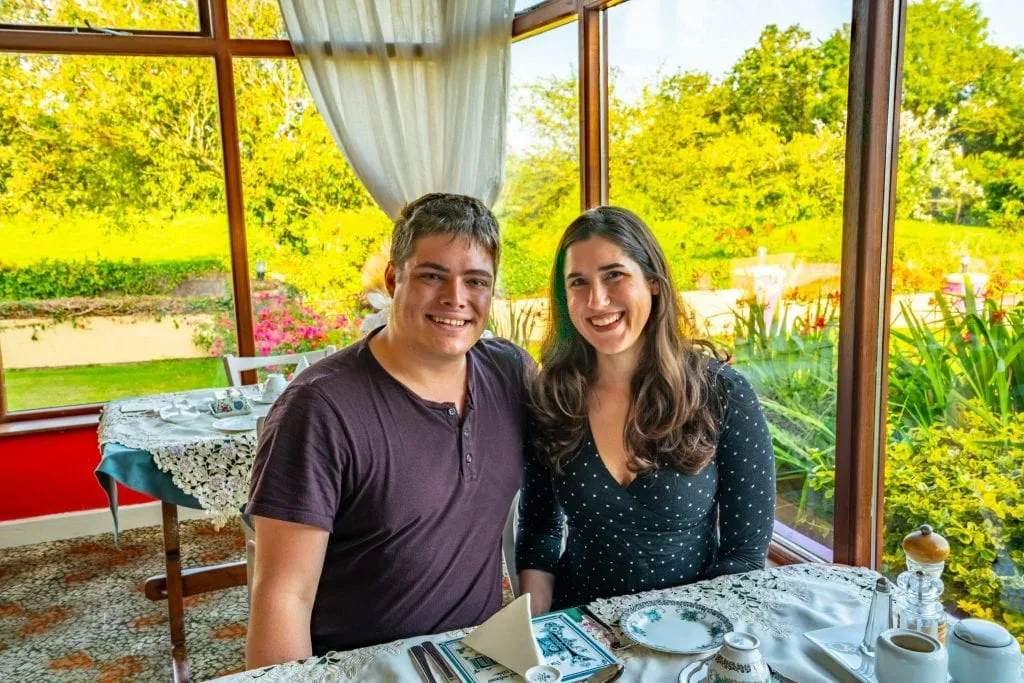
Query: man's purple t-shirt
{"points": [[415, 496]]}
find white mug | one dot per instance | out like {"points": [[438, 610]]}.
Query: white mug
{"points": [[273, 386], [905, 656], [981, 650]]}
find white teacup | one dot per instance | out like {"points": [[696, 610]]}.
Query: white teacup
{"points": [[981, 650], [739, 660], [273, 387], [905, 656]]}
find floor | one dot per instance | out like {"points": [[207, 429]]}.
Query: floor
{"points": [[74, 610]]}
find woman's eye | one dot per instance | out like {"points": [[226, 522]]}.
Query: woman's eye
{"points": [[614, 275], [577, 282]]}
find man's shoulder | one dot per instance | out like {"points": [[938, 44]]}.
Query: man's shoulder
{"points": [[501, 354]]}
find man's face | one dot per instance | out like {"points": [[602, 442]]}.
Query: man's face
{"points": [[442, 296]]}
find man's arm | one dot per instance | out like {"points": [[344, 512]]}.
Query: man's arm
{"points": [[289, 558]]}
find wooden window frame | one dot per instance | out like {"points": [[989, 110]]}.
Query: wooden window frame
{"points": [[877, 34]]}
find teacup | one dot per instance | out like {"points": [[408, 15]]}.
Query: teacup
{"points": [[905, 656], [542, 673], [273, 386], [981, 650], [739, 661]]}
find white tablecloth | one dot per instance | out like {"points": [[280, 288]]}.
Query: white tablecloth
{"points": [[202, 461], [778, 605]]}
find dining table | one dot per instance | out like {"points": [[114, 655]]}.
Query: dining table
{"points": [[171, 446], [778, 605]]}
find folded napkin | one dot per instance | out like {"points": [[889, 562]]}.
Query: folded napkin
{"points": [[300, 366], [507, 637]]}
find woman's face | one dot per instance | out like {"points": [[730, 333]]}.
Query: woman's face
{"points": [[609, 298]]}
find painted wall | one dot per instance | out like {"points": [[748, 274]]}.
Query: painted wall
{"points": [[45, 474]]}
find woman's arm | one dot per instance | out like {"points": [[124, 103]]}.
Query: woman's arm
{"points": [[539, 537], [746, 481]]}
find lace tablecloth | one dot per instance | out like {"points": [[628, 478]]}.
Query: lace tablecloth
{"points": [[211, 465], [778, 605]]}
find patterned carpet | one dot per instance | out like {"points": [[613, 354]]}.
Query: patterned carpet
{"points": [[74, 610]]}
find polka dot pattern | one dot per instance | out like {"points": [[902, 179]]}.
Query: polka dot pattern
{"points": [[664, 529]]}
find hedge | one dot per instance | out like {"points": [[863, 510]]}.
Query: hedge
{"points": [[48, 279]]}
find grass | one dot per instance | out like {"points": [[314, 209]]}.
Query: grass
{"points": [[48, 387]]}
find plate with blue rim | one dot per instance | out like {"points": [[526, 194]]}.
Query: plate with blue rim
{"points": [[675, 626]]}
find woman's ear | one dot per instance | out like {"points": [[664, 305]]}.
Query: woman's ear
{"points": [[655, 288]]}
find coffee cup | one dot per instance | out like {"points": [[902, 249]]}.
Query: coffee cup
{"points": [[981, 650], [905, 656], [273, 386], [739, 660]]}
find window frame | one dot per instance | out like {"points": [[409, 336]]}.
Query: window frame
{"points": [[876, 52]]}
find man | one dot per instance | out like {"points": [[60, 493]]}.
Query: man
{"points": [[385, 472]]}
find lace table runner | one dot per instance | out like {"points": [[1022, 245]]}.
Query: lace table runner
{"points": [[211, 465], [779, 604]]}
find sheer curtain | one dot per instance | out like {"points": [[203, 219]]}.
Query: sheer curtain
{"points": [[415, 92]]}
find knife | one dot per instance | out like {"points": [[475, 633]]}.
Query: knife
{"points": [[419, 658], [435, 654]]}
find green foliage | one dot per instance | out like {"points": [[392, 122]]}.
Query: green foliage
{"points": [[48, 279], [516, 321], [964, 480], [973, 351]]}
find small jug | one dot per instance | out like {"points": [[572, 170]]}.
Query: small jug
{"points": [[273, 387], [905, 656], [739, 661]]}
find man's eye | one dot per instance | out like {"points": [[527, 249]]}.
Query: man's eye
{"points": [[431, 276]]}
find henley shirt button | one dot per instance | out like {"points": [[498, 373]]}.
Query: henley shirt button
{"points": [[469, 457], [466, 433], [451, 411]]}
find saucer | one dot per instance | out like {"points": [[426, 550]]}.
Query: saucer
{"points": [[241, 423], [675, 626], [262, 401], [697, 672]]}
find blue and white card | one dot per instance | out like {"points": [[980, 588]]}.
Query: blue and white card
{"points": [[563, 643]]}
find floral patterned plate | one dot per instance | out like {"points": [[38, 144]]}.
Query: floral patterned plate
{"points": [[697, 672], [675, 626]]}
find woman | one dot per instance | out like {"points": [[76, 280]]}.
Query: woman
{"points": [[656, 454]]}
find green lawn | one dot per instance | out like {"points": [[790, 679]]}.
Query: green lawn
{"points": [[49, 387]]}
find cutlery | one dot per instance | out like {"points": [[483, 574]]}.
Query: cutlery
{"points": [[442, 664], [419, 658], [613, 640]]}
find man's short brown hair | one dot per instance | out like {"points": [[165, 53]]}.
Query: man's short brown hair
{"points": [[441, 213]]}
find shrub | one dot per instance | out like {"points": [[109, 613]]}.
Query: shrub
{"points": [[964, 481], [283, 324], [48, 279]]}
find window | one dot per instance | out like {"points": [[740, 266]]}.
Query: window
{"points": [[727, 135], [256, 19], [167, 15], [956, 378], [311, 226], [113, 224], [541, 195]]}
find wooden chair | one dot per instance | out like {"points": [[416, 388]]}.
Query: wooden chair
{"points": [[235, 365]]}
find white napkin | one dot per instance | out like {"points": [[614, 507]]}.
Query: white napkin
{"points": [[507, 637], [300, 366]]}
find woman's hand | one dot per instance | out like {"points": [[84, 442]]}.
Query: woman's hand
{"points": [[541, 587]]}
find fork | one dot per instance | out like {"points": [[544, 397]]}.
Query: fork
{"points": [[613, 640]]}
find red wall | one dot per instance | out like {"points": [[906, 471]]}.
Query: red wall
{"points": [[43, 474]]}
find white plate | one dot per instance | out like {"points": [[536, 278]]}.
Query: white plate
{"points": [[675, 626], [241, 423]]}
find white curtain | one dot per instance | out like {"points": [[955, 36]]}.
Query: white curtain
{"points": [[415, 92]]}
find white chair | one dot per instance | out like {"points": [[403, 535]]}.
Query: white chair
{"points": [[508, 545], [235, 365], [248, 529]]}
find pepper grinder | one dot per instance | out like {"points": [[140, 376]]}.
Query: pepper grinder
{"points": [[918, 604]]}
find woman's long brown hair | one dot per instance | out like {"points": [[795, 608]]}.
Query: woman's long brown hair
{"points": [[672, 417]]}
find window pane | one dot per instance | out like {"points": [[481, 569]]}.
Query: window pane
{"points": [[541, 195], [727, 136], [113, 225], [166, 15], [312, 227], [956, 384], [522, 5], [256, 19]]}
